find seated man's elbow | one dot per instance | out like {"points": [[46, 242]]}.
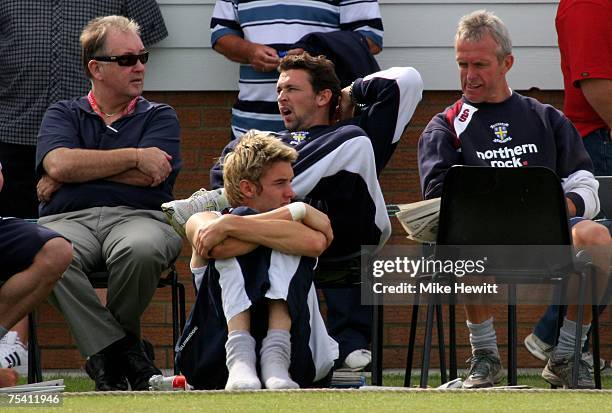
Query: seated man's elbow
{"points": [[318, 245], [54, 170]]}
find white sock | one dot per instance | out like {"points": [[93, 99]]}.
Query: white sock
{"points": [[240, 360], [482, 336], [275, 359]]}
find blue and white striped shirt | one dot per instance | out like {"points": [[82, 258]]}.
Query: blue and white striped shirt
{"points": [[279, 25]]}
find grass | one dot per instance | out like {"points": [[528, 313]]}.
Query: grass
{"points": [[339, 402], [352, 402], [82, 384]]}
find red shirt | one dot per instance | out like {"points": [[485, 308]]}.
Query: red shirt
{"points": [[584, 28]]}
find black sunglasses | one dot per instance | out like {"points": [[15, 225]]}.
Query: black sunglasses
{"points": [[125, 60]]}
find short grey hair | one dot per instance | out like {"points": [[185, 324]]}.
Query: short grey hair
{"points": [[472, 27], [93, 36]]}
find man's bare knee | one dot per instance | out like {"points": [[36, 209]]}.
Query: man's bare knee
{"points": [[54, 258], [590, 233]]}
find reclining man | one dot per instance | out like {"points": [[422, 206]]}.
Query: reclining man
{"points": [[340, 157], [32, 260], [487, 117], [261, 272], [107, 161]]}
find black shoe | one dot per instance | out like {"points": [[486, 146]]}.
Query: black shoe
{"points": [[106, 374], [137, 366]]}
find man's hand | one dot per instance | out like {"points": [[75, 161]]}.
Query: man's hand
{"points": [[296, 51], [209, 235], [155, 163], [374, 48], [318, 221], [262, 58], [346, 108], [8, 377], [46, 187]]}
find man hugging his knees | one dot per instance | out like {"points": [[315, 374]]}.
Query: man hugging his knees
{"points": [[261, 257]]}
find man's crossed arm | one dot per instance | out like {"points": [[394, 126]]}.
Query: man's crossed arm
{"points": [[132, 166], [226, 236]]}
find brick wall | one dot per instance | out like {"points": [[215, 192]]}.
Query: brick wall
{"points": [[204, 118]]}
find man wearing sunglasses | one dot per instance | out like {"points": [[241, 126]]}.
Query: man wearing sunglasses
{"points": [[40, 65], [106, 162]]}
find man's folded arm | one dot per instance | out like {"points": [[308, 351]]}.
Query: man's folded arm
{"points": [[83, 165], [233, 235]]}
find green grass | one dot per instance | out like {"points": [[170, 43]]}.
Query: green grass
{"points": [[353, 402], [81, 384]]}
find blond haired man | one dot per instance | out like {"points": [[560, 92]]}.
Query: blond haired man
{"points": [[258, 261]]}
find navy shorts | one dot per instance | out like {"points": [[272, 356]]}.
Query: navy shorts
{"points": [[20, 241]]}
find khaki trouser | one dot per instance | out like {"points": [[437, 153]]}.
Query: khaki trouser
{"points": [[135, 246]]}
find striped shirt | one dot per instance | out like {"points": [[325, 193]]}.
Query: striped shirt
{"points": [[279, 25]]}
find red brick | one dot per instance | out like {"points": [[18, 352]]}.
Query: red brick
{"points": [[48, 314], [214, 117], [158, 335], [189, 117], [61, 358], [156, 311], [190, 159], [53, 336]]}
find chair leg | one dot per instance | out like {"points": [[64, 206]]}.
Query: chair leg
{"points": [[411, 342], [377, 323], [595, 330], [175, 318], [441, 347], [595, 340], [34, 363], [579, 321], [427, 343], [512, 336], [452, 340], [561, 296]]}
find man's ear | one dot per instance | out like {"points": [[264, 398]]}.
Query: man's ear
{"points": [[507, 63], [248, 189], [323, 97], [95, 68]]}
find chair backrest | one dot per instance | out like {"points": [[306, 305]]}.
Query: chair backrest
{"points": [[605, 195], [502, 206], [492, 207]]}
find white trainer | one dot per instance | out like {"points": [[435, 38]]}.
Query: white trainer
{"points": [[587, 356], [537, 347], [541, 350], [13, 354], [179, 211], [357, 360]]}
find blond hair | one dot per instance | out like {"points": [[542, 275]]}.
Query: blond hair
{"points": [[474, 26], [93, 36], [249, 159]]}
